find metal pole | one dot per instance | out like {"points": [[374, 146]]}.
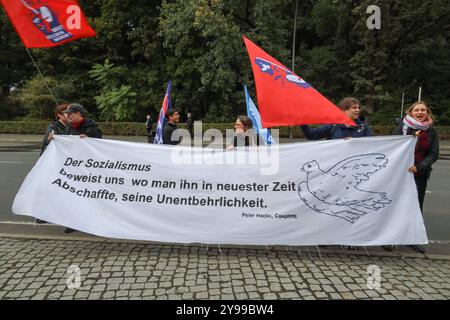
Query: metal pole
{"points": [[293, 40], [403, 103], [420, 93], [291, 131]]}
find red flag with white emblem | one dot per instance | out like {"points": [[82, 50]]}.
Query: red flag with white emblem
{"points": [[49, 23], [285, 99]]}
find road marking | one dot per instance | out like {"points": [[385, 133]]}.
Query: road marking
{"points": [[13, 162], [18, 222]]}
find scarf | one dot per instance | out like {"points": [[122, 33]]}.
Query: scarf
{"points": [[78, 125], [410, 122]]}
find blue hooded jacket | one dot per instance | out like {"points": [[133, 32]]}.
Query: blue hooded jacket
{"points": [[337, 131]]}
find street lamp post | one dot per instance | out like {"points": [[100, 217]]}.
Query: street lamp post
{"points": [[291, 131]]}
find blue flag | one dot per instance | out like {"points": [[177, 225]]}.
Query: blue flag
{"points": [[253, 113], [162, 115]]}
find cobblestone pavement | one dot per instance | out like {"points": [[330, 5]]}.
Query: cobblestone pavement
{"points": [[39, 269]]}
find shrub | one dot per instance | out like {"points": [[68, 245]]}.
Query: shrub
{"points": [[138, 128]]}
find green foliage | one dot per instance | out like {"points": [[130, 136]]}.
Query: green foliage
{"points": [[15, 65], [444, 119], [23, 127], [138, 128], [103, 73], [198, 45], [35, 97], [115, 103]]}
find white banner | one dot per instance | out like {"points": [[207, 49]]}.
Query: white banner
{"points": [[353, 192]]}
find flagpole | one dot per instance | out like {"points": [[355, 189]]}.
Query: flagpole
{"points": [[293, 40], [32, 59], [403, 103], [39, 70], [291, 131]]}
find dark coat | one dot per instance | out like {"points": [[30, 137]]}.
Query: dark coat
{"points": [[149, 125], [88, 127], [190, 125], [432, 153], [168, 129], [58, 128], [337, 131], [242, 140]]}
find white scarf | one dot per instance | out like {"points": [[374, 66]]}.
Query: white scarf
{"points": [[410, 122]]}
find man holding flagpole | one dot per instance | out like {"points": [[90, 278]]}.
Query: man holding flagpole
{"points": [[170, 126], [351, 107]]}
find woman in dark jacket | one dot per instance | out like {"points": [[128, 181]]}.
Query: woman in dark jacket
{"points": [[56, 127], [419, 122], [245, 135]]}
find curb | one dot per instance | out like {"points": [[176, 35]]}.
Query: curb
{"points": [[31, 231]]}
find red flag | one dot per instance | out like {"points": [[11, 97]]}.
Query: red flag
{"points": [[285, 99], [42, 24]]}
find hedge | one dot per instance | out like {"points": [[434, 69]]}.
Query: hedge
{"points": [[138, 129]]}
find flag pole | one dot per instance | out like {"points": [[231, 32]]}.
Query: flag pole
{"points": [[43, 78], [29, 7], [31, 57], [293, 40], [403, 103], [291, 131]]}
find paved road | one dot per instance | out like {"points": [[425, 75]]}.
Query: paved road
{"points": [[19, 153], [48, 269]]}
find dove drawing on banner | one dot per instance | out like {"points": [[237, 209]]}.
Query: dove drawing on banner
{"points": [[337, 193]]}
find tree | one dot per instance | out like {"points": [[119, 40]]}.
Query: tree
{"points": [[36, 98], [15, 66], [198, 45], [115, 102]]}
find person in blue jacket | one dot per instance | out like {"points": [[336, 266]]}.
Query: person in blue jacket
{"points": [[351, 107]]}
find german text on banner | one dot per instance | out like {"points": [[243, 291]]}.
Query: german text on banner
{"points": [[354, 192], [42, 24], [285, 99]]}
